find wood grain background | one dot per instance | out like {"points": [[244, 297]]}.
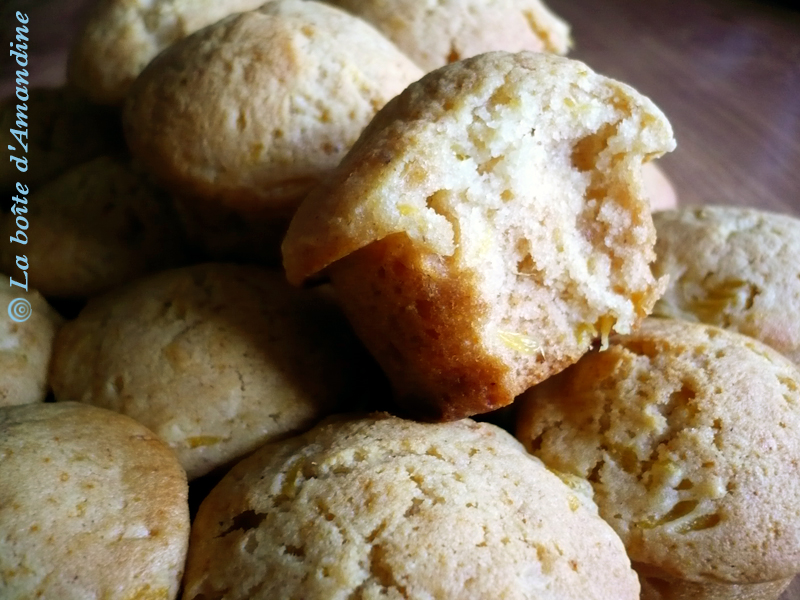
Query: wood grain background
{"points": [[725, 72]]}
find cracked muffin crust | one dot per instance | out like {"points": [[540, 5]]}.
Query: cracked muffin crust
{"points": [[216, 359], [25, 348], [92, 505], [690, 437], [737, 268], [433, 34], [489, 225], [379, 507], [243, 117], [99, 225], [121, 37]]}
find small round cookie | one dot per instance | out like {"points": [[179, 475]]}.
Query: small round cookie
{"points": [[690, 436], [737, 268], [92, 505], [246, 115], [490, 224], [379, 507], [26, 342], [435, 34], [121, 37], [658, 188], [98, 225], [63, 131], [216, 359]]}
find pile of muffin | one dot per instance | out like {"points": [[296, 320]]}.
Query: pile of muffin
{"points": [[308, 263]]}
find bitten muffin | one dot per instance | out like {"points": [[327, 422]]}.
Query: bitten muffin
{"points": [[99, 225], [690, 436], [378, 507], [216, 359], [737, 268], [121, 37], [243, 117], [490, 224], [26, 343], [435, 34], [658, 187], [92, 505], [64, 130]]}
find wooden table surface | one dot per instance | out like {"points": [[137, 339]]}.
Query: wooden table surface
{"points": [[725, 72]]}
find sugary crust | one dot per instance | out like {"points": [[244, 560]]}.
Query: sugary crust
{"points": [[381, 507], [433, 35], [737, 268], [251, 111], [98, 225], [26, 347], [121, 37], [690, 435], [510, 185], [92, 505], [216, 359]]}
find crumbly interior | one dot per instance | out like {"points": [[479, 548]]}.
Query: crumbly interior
{"points": [[546, 204], [521, 175], [690, 436]]}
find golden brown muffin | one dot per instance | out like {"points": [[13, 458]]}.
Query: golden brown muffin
{"points": [[98, 225], [64, 130], [92, 505], [737, 268], [242, 118], [435, 34], [378, 507], [658, 187], [121, 37], [216, 359], [690, 436], [26, 343], [490, 224]]}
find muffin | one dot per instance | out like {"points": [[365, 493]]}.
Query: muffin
{"points": [[26, 343], [243, 117], [121, 37], [436, 34], [489, 225], [105, 516], [690, 437], [64, 130], [101, 224], [737, 268], [215, 359], [380, 507], [658, 187]]}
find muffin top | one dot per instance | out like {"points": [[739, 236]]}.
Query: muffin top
{"points": [[737, 268], [253, 110], [435, 34], [378, 506], [690, 436], [106, 514], [26, 343], [98, 225], [121, 37], [216, 359]]}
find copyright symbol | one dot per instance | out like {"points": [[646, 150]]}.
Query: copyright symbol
{"points": [[19, 310]]}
